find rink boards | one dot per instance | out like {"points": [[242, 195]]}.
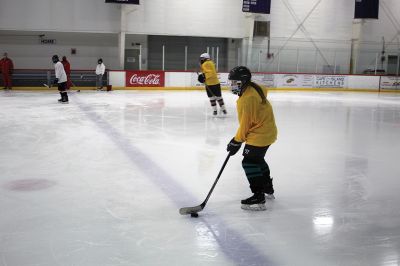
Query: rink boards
{"points": [[278, 81], [187, 80]]}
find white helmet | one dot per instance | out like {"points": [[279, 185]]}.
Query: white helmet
{"points": [[205, 55]]}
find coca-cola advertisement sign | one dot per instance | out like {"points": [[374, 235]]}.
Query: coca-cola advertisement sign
{"points": [[145, 78]]}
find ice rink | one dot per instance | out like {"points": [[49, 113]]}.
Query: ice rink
{"points": [[100, 181]]}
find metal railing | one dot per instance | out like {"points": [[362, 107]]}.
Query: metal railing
{"points": [[36, 78], [331, 57]]}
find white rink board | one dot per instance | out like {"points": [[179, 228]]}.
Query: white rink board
{"points": [[295, 81], [117, 78], [363, 82], [178, 79]]}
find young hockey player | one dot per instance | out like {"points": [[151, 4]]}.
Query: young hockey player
{"points": [[210, 79], [100, 70], [258, 130], [61, 79]]}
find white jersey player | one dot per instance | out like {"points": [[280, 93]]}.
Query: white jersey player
{"points": [[61, 79]]}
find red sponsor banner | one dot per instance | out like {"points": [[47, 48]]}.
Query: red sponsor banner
{"points": [[145, 78]]}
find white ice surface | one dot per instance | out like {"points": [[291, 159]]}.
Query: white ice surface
{"points": [[100, 181]]}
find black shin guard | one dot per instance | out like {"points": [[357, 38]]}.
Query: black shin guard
{"points": [[257, 170], [254, 175]]}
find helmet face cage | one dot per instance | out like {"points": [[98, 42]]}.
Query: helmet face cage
{"points": [[239, 76], [235, 86]]}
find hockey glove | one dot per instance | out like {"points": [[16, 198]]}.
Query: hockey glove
{"points": [[55, 81], [201, 78], [233, 146]]}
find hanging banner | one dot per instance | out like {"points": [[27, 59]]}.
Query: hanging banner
{"points": [[134, 2], [366, 9], [145, 78], [257, 6]]}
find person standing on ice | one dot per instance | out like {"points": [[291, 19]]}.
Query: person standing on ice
{"points": [[100, 70], [258, 130], [67, 69], [210, 79], [61, 79], [7, 69]]}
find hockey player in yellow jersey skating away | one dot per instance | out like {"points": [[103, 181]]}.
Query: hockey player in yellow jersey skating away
{"points": [[210, 79], [258, 130]]}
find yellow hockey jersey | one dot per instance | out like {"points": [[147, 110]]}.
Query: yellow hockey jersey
{"points": [[256, 120], [208, 68]]}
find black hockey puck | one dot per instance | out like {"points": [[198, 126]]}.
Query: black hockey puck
{"points": [[195, 214]]}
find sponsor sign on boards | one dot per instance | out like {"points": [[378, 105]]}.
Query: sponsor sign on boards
{"points": [[145, 78], [294, 81], [390, 83], [334, 81], [266, 80]]}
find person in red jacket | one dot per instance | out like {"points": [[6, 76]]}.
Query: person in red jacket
{"points": [[7, 69], [67, 68]]}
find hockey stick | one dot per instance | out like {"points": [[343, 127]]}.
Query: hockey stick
{"points": [[47, 86], [196, 209], [73, 85]]}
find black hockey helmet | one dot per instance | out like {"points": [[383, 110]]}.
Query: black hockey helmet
{"points": [[239, 76], [100, 61], [241, 73], [55, 59]]}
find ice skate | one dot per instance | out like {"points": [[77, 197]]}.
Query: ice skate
{"points": [[64, 98], [254, 203], [61, 99], [269, 196], [269, 189], [224, 112], [215, 113]]}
